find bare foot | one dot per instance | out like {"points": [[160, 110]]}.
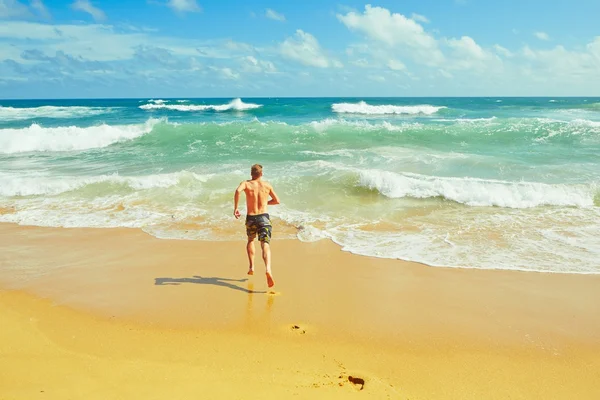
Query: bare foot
{"points": [[251, 271], [270, 282]]}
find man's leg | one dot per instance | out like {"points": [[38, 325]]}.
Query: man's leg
{"points": [[266, 254], [250, 250]]}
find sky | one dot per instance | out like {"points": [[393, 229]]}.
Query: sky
{"points": [[333, 48]]}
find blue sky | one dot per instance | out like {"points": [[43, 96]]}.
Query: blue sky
{"points": [[227, 48]]}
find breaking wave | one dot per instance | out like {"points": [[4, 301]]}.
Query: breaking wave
{"points": [[364, 108], [479, 192], [234, 105], [39, 185], [16, 114], [69, 138], [591, 106]]}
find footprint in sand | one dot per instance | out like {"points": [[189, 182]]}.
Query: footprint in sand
{"points": [[342, 380], [359, 382], [298, 329]]}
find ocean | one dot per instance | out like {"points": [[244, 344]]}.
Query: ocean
{"points": [[489, 183]]}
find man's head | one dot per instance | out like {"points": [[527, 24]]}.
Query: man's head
{"points": [[256, 171]]}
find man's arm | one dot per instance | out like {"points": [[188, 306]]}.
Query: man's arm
{"points": [[236, 199], [274, 199]]}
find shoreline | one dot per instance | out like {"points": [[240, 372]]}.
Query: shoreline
{"points": [[408, 329], [532, 271], [286, 230]]}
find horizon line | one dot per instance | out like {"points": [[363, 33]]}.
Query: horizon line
{"points": [[294, 97]]}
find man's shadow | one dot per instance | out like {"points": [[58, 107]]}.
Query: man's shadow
{"points": [[224, 282]]}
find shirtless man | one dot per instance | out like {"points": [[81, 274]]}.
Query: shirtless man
{"points": [[257, 220]]}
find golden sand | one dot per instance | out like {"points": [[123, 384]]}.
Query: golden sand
{"points": [[119, 314]]}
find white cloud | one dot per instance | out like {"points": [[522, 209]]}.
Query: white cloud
{"points": [[376, 78], [253, 65], [222, 49], [93, 41], [374, 57], [419, 18], [238, 46], [13, 9], [396, 65], [252, 60], [541, 35], [594, 48], [274, 15], [226, 73], [103, 42], [305, 49], [73, 52], [562, 65], [395, 30], [468, 55], [87, 7], [184, 5], [392, 34], [503, 51], [361, 62], [445, 74], [40, 8], [229, 74], [466, 47]]}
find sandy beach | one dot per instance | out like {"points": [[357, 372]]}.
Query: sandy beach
{"points": [[116, 313], [429, 173]]}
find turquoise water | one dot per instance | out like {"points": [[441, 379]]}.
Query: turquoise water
{"points": [[508, 183]]}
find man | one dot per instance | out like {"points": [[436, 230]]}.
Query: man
{"points": [[257, 219]]}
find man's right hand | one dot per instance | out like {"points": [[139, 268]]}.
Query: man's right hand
{"points": [[236, 213]]}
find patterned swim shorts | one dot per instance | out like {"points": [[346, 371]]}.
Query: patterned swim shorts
{"points": [[259, 225]]}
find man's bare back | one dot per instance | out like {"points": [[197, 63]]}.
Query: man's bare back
{"points": [[257, 195]]}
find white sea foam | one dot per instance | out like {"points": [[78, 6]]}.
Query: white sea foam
{"points": [[304, 223], [16, 114], [69, 138], [234, 105], [99, 213], [585, 122], [364, 108], [443, 236], [102, 201], [466, 120], [478, 192], [481, 241], [339, 153], [40, 185], [472, 120], [324, 125], [576, 127]]}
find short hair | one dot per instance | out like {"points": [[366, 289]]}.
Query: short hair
{"points": [[256, 171]]}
